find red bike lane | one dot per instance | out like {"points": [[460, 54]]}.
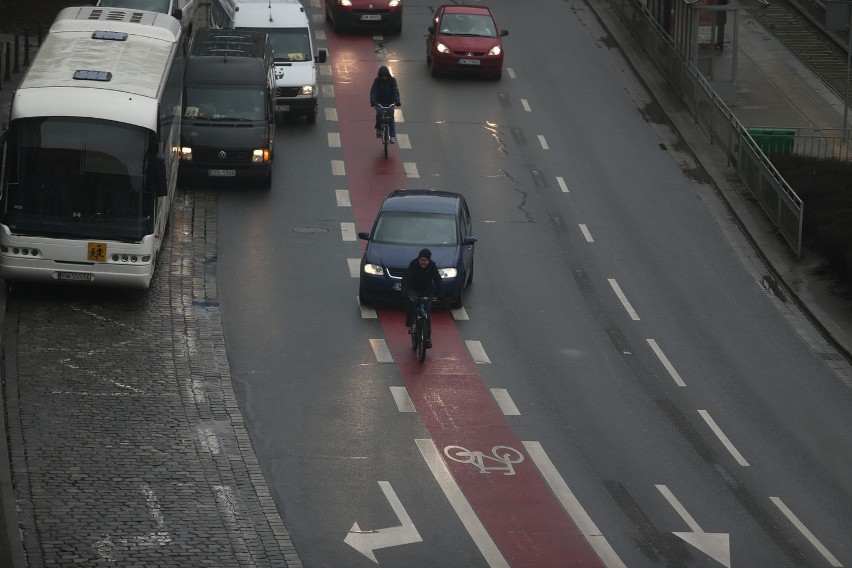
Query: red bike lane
{"points": [[515, 504]]}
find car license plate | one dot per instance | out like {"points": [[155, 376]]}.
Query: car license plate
{"points": [[468, 61], [221, 173], [371, 17], [282, 108], [76, 276], [397, 286]]}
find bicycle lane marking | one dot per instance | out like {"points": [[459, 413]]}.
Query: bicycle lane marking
{"points": [[519, 511]]}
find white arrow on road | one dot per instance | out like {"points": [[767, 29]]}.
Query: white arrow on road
{"points": [[715, 545], [366, 542]]}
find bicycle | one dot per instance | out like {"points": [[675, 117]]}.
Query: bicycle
{"points": [[384, 124], [422, 326]]}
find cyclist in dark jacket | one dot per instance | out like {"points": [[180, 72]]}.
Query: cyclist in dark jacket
{"points": [[421, 279], [384, 92]]}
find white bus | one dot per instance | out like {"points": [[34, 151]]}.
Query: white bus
{"points": [[90, 161]]}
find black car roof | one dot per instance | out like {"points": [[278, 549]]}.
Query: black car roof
{"points": [[422, 201]]}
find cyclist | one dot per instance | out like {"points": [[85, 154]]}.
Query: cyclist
{"points": [[384, 92], [421, 279]]}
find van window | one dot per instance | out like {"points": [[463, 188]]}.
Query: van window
{"points": [[288, 44], [212, 102]]}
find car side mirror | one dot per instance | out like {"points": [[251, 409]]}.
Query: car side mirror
{"points": [[321, 56], [177, 14], [431, 30], [469, 240], [364, 236], [504, 33]]}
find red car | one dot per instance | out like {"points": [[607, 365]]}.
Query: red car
{"points": [[364, 14], [465, 39]]}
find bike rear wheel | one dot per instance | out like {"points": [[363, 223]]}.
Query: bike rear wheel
{"points": [[385, 137], [415, 333]]}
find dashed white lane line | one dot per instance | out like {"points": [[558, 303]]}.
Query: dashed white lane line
{"points": [[338, 168], [342, 198], [572, 506], [588, 235], [666, 363], [319, 34], [723, 438], [403, 141], [410, 170], [325, 69], [366, 311], [806, 533], [347, 232], [459, 314], [477, 352], [334, 140], [354, 266], [381, 351], [543, 142], [505, 402], [511, 72], [402, 399], [398, 117], [562, 184], [461, 506], [328, 90], [617, 289], [331, 115], [319, 19], [525, 103]]}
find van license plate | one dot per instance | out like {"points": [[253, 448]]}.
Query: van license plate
{"points": [[221, 173], [282, 108], [75, 276], [468, 61], [371, 17]]}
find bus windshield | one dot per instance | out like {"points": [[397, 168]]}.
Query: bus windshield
{"points": [[78, 178]]}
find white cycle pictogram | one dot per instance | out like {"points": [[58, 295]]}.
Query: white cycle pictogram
{"points": [[505, 456]]}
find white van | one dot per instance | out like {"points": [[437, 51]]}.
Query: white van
{"points": [[292, 44]]}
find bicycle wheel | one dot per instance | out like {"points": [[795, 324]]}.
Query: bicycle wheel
{"points": [[385, 137], [421, 342], [414, 335]]}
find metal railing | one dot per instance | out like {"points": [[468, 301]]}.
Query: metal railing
{"points": [[776, 198]]}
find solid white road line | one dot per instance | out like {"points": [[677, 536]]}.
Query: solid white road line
{"points": [[402, 399], [525, 103], [543, 142], [806, 533], [665, 361], [723, 438], [338, 168], [585, 230], [461, 506], [572, 506], [334, 140], [410, 170], [561, 183], [347, 232], [380, 349], [505, 402], [476, 351], [342, 197], [617, 289], [459, 314]]}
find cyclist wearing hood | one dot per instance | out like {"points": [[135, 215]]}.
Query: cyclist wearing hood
{"points": [[384, 92]]}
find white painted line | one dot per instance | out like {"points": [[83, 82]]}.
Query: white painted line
{"points": [[505, 402], [460, 314], [342, 197], [354, 266], [318, 19], [665, 361], [366, 311], [806, 533], [331, 115], [680, 509], [315, 4], [476, 351], [562, 185], [334, 140], [380, 349], [585, 230], [526, 105], [461, 506], [347, 232], [511, 72], [320, 34], [403, 142], [410, 170], [617, 289], [543, 142], [325, 70], [338, 168], [572, 506], [723, 438], [328, 90], [379, 38], [398, 117], [402, 399]]}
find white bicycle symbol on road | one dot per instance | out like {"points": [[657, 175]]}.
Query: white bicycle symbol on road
{"points": [[504, 455]]}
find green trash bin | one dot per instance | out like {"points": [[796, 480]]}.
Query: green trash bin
{"points": [[774, 140]]}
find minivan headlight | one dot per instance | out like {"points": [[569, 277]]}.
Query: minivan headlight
{"points": [[447, 273], [309, 90], [260, 156], [373, 269]]}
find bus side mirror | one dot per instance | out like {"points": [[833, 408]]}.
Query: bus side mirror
{"points": [[158, 176]]}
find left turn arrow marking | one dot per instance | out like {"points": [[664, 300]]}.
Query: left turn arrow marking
{"points": [[366, 542]]}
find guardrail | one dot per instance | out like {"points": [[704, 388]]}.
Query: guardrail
{"points": [[776, 198]]}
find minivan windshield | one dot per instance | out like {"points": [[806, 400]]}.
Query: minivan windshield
{"points": [[407, 228], [215, 102], [288, 44], [161, 6]]}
